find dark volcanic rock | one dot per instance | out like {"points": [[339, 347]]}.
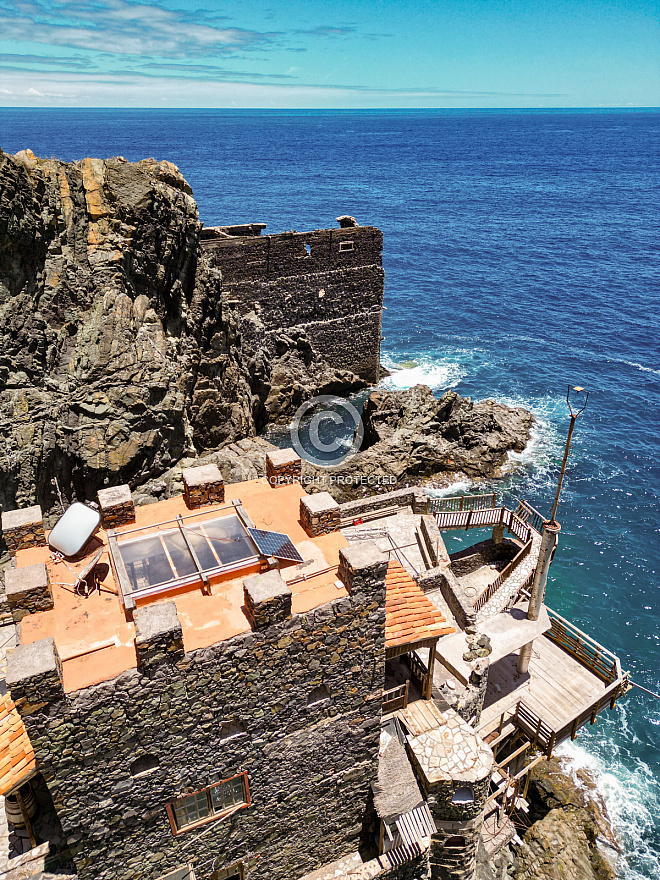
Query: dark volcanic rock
{"points": [[411, 437], [118, 356], [97, 276], [571, 834]]}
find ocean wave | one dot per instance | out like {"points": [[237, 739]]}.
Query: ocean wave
{"points": [[632, 797], [437, 374], [459, 487], [636, 365]]}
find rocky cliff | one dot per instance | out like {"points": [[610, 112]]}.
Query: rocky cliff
{"points": [[566, 836], [123, 352], [117, 353]]}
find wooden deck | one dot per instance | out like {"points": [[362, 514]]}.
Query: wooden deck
{"points": [[558, 688]]}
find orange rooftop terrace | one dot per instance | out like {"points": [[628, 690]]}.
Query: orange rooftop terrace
{"points": [[195, 550]]}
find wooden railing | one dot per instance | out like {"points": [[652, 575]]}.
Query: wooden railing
{"points": [[396, 698], [530, 515], [595, 657], [482, 518], [491, 589], [545, 738], [418, 671], [462, 502]]}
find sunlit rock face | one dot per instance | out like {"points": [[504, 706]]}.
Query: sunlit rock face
{"points": [[98, 350]]}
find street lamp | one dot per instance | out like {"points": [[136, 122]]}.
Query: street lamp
{"points": [[575, 408], [550, 531]]}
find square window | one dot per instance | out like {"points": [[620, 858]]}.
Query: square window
{"points": [[189, 810], [204, 806]]}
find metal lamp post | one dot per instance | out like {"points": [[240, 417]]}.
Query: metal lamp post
{"points": [[551, 529]]}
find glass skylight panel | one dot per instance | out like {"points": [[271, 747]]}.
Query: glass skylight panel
{"points": [[146, 563], [164, 558]]}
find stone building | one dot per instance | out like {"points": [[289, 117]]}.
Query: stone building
{"points": [[327, 284], [249, 686]]}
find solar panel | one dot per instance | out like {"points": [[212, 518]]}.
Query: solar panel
{"points": [[275, 544]]}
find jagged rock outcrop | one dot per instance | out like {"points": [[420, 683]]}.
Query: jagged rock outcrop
{"points": [[412, 437], [98, 322], [118, 356], [570, 835]]}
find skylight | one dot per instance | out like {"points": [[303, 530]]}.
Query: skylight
{"points": [[183, 554]]}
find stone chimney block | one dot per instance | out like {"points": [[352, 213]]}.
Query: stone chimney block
{"points": [[203, 485], [28, 590], [116, 506], [34, 675], [23, 528], [283, 467], [159, 636], [267, 599], [362, 568], [320, 514]]}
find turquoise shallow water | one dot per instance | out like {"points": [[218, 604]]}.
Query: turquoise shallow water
{"points": [[521, 252]]}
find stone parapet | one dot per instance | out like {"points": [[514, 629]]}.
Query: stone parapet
{"points": [[412, 497], [452, 592], [28, 590], [203, 485], [433, 541], [283, 467], [116, 506], [159, 636], [34, 676], [267, 599], [320, 514], [23, 528], [362, 568]]}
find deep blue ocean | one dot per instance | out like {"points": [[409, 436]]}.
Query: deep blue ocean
{"points": [[521, 251]]}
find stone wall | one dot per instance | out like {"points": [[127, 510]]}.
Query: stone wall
{"points": [[328, 283], [433, 542], [484, 553], [452, 592], [23, 528], [309, 760], [412, 497]]}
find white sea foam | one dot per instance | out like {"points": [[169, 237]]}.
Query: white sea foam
{"points": [[437, 374], [637, 366], [631, 792], [459, 487]]}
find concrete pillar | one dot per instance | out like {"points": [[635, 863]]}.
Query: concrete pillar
{"points": [[537, 595], [498, 533]]}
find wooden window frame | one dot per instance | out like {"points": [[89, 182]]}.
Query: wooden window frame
{"points": [[219, 814]]}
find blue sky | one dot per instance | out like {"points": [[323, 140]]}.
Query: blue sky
{"points": [[362, 53]]}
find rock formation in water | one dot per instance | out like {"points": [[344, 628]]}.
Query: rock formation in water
{"points": [[569, 835], [120, 356], [411, 437]]}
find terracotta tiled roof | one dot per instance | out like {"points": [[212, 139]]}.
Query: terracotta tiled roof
{"points": [[17, 761], [409, 616]]}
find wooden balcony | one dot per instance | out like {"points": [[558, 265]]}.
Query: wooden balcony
{"points": [[571, 679]]}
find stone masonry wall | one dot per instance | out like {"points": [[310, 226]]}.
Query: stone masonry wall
{"points": [[328, 283], [309, 762]]}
